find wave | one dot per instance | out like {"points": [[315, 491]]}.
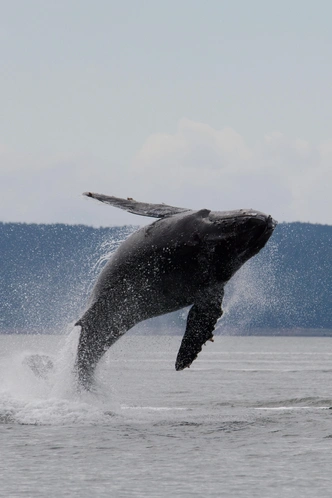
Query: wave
{"points": [[296, 404]]}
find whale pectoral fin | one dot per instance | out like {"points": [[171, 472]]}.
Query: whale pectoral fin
{"points": [[201, 322], [140, 208]]}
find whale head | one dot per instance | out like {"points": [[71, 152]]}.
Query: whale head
{"points": [[233, 237]]}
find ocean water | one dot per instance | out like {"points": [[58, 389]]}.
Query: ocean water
{"points": [[251, 418]]}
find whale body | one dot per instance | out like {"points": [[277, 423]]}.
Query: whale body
{"points": [[185, 258]]}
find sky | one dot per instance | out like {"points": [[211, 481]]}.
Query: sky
{"points": [[200, 104]]}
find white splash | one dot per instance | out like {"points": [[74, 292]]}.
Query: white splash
{"points": [[29, 398]]}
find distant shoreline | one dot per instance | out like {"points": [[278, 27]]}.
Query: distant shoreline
{"points": [[263, 332], [45, 282], [295, 332]]}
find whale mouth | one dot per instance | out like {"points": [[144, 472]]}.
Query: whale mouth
{"points": [[259, 230], [262, 234], [262, 221]]}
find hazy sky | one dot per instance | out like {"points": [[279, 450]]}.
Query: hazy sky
{"points": [[216, 104]]}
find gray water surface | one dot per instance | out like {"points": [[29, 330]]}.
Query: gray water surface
{"points": [[250, 418]]}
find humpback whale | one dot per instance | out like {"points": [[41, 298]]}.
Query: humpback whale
{"points": [[185, 258]]}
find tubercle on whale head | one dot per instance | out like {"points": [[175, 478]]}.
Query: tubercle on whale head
{"points": [[237, 215]]}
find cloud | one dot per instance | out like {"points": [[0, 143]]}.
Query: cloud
{"points": [[197, 166], [288, 177]]}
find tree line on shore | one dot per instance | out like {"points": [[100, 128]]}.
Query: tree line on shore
{"points": [[47, 272]]}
